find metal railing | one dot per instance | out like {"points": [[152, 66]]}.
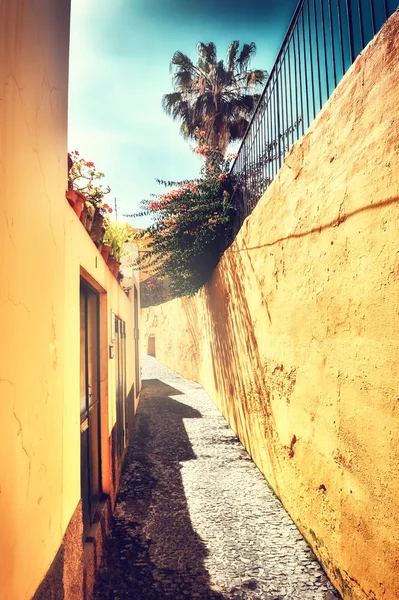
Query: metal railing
{"points": [[322, 41]]}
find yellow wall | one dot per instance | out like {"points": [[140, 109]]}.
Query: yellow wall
{"points": [[42, 248], [82, 258], [296, 337]]}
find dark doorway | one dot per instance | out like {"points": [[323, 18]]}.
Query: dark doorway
{"points": [[89, 404]]}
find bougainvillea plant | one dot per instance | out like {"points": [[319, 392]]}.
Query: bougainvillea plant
{"points": [[191, 227], [83, 177]]}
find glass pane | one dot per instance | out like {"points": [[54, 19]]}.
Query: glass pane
{"points": [[94, 457], [82, 352], [92, 346], [120, 383], [119, 415], [89, 404]]}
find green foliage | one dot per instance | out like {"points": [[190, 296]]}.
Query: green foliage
{"points": [[191, 228], [116, 235], [213, 95], [192, 223]]}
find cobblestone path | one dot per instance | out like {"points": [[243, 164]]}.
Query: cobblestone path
{"points": [[194, 517]]}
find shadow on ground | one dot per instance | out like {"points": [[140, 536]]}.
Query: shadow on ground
{"points": [[154, 552]]}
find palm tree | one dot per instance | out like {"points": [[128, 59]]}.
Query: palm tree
{"points": [[213, 96]]}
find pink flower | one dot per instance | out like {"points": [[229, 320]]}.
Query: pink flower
{"points": [[202, 150]]}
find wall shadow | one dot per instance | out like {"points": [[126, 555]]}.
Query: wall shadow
{"points": [[156, 387], [154, 552], [241, 377]]}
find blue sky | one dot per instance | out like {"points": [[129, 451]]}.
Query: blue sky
{"points": [[119, 70]]}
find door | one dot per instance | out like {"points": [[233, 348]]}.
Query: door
{"points": [[89, 404], [136, 342], [120, 367]]}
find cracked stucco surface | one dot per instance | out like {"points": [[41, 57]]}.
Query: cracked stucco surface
{"points": [[296, 336], [43, 248], [33, 117]]}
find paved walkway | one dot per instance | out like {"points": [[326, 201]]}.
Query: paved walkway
{"points": [[194, 516]]}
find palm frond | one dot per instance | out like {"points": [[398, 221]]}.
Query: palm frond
{"points": [[238, 128], [170, 101], [175, 106], [181, 60], [182, 80], [188, 127], [222, 77], [203, 106], [232, 54], [215, 96], [207, 53], [243, 105], [256, 77], [247, 53]]}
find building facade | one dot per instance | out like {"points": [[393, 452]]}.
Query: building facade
{"points": [[69, 365]]}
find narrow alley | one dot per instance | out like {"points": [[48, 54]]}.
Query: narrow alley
{"points": [[194, 516]]}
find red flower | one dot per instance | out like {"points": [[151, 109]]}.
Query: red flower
{"points": [[90, 164], [154, 206]]}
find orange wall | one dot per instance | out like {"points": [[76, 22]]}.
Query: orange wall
{"points": [[42, 249], [296, 336]]}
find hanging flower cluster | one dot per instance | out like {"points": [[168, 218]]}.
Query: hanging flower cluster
{"points": [[192, 226], [83, 177], [202, 150]]}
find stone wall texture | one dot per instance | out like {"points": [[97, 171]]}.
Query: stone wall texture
{"points": [[296, 336]]}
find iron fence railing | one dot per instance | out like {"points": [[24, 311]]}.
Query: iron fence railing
{"points": [[322, 41]]}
